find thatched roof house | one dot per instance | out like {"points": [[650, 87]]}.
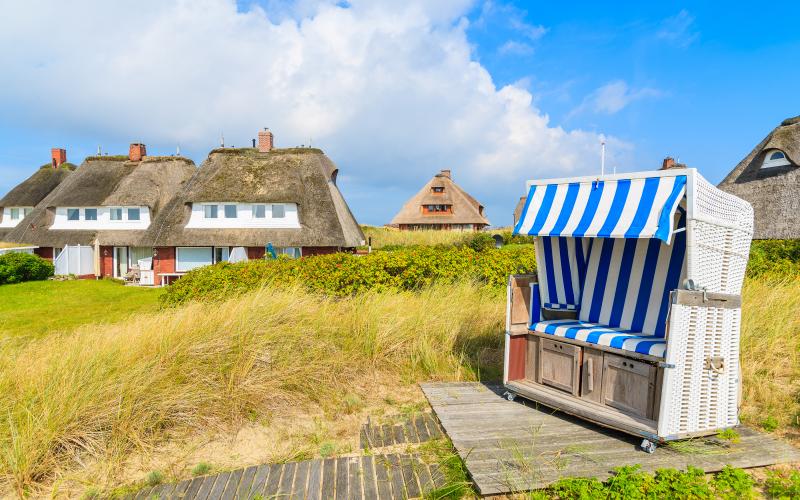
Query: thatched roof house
{"points": [[769, 178], [18, 202], [301, 180], [441, 204], [101, 182]]}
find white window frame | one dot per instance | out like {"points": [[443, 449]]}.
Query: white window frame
{"points": [[14, 213], [226, 254], [235, 209], [211, 211], [179, 269], [255, 210], [76, 211], [282, 211], [86, 213], [138, 213], [119, 210], [779, 162]]}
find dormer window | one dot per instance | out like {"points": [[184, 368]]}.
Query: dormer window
{"points": [[774, 158], [15, 214], [73, 214], [210, 211], [438, 189]]}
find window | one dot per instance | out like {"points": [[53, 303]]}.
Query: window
{"points": [[210, 211], [438, 189], [134, 214], [188, 258], [259, 211], [14, 213], [278, 211], [220, 254], [230, 211], [73, 214], [775, 158], [293, 252], [90, 214], [116, 214], [26, 211]]}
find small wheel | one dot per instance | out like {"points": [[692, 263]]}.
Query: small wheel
{"points": [[648, 446], [511, 396]]}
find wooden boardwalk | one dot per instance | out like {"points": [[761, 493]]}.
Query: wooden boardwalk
{"points": [[517, 446]]}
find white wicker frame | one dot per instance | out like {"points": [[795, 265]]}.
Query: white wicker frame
{"points": [[696, 399]]}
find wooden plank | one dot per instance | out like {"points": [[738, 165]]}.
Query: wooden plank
{"points": [[388, 435], [410, 432], [328, 478], [163, 491], [246, 482], [180, 488], [300, 480], [409, 476], [233, 484], [375, 435], [205, 488], [424, 475], [363, 438], [287, 479], [396, 477], [259, 481], [368, 478], [422, 431], [433, 427], [144, 493], [194, 487], [354, 489], [382, 477], [314, 487], [219, 486], [274, 480], [439, 480], [341, 478], [397, 432]]}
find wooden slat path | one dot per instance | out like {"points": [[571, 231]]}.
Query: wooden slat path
{"points": [[517, 446], [417, 429], [388, 477]]}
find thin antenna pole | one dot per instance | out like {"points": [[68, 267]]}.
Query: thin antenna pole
{"points": [[602, 157]]}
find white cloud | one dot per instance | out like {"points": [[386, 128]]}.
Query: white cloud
{"points": [[678, 29], [516, 48], [390, 90], [613, 97]]}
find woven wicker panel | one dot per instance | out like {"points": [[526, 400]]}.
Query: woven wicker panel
{"points": [[719, 257], [711, 203], [695, 398]]}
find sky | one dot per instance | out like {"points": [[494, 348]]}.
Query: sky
{"points": [[394, 91]]}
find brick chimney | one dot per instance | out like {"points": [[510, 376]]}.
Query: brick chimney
{"points": [[137, 152], [445, 173], [59, 156], [265, 141], [669, 162]]}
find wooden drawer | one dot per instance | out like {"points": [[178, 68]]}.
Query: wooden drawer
{"points": [[629, 385], [559, 365], [532, 360], [592, 375]]}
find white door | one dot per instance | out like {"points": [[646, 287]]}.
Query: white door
{"points": [[120, 261]]}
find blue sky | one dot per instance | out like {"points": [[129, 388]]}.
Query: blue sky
{"points": [[496, 91]]}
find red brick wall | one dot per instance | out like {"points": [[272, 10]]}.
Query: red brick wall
{"points": [[318, 250], [163, 261], [106, 261], [255, 253], [44, 252]]}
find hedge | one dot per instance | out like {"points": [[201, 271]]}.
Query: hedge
{"points": [[345, 274], [18, 267]]}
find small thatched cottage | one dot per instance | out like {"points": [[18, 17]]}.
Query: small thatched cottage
{"points": [[244, 202], [20, 201], [769, 178], [441, 204], [107, 198]]}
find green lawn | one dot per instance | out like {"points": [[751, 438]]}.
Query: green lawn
{"points": [[40, 307]]}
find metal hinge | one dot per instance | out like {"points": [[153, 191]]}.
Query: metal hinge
{"points": [[661, 364]]}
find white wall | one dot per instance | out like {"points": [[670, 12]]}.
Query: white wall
{"points": [[7, 221], [244, 219], [103, 219]]}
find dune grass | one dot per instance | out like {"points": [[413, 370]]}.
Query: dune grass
{"points": [[37, 308], [102, 392], [388, 237]]}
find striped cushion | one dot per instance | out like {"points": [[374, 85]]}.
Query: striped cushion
{"points": [[628, 282], [561, 270], [603, 335]]}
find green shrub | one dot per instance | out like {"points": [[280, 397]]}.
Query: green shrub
{"points": [[732, 484], [479, 241], [343, 274], [18, 267], [201, 469], [779, 257], [782, 484], [769, 424], [154, 478]]}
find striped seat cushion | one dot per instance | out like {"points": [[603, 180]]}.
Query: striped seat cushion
{"points": [[603, 335], [628, 283]]}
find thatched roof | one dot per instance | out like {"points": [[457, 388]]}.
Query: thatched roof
{"points": [[103, 181], [304, 176], [466, 209], [774, 192], [32, 190]]}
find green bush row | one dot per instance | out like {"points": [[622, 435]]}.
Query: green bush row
{"points": [[781, 257], [345, 274], [18, 267]]}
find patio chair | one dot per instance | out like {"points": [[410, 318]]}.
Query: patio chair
{"points": [[632, 319]]}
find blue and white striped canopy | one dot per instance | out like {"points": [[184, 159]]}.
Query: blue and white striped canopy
{"points": [[610, 208]]}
